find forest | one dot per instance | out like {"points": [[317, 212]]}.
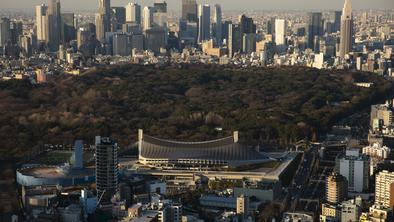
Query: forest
{"points": [[270, 107]]}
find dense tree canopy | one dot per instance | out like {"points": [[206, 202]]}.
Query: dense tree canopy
{"points": [[267, 105]]}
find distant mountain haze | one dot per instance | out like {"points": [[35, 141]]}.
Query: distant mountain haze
{"points": [[78, 5]]}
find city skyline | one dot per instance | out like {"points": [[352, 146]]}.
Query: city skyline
{"points": [[306, 5]]}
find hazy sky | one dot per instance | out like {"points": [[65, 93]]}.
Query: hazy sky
{"points": [[226, 4]]}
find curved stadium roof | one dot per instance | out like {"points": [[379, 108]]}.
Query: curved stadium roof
{"points": [[225, 149]]}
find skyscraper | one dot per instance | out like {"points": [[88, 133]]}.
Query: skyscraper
{"points": [[346, 39], [106, 168], [204, 22], [160, 14], [54, 25], [315, 29], [41, 11], [5, 31], [218, 23], [103, 19], [280, 32], [248, 34], [133, 13], [147, 16], [118, 18], [246, 25], [68, 30], [189, 10], [336, 188], [234, 39]]}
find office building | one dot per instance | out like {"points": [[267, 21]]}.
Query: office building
{"points": [[5, 31], [246, 25], [383, 194], [41, 11], [106, 168], [68, 28], [355, 168], [133, 13], [234, 39], [121, 44], [336, 188], [271, 26], [346, 38], [280, 32], [86, 39], [314, 29], [218, 24], [103, 19], [155, 39], [249, 43], [160, 14], [147, 16], [334, 20], [118, 18], [188, 32], [204, 22], [26, 46], [54, 25], [189, 10]]}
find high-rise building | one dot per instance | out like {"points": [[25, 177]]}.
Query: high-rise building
{"points": [[106, 168], [133, 13], [335, 19], [248, 42], [86, 39], [160, 14], [234, 39], [383, 194], [346, 40], [336, 188], [355, 168], [248, 34], [119, 18], [5, 31], [41, 11], [315, 29], [280, 32], [155, 39], [121, 45], [53, 17], [68, 28], [189, 10], [147, 16], [204, 22], [103, 19], [218, 24], [26, 46], [246, 25], [16, 31], [271, 26]]}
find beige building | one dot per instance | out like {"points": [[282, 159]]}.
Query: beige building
{"points": [[382, 188], [242, 205], [336, 188]]}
